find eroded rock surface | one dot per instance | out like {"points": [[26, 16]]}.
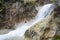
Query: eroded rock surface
{"points": [[43, 30], [16, 10]]}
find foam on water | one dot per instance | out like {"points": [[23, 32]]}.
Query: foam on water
{"points": [[42, 13]]}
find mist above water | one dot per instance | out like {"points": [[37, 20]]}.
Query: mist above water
{"points": [[21, 28]]}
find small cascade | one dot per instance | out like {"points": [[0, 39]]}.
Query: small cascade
{"points": [[20, 31]]}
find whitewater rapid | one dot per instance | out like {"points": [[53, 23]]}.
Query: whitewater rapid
{"points": [[21, 28]]}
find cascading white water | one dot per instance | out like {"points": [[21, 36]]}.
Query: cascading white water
{"points": [[19, 32]]}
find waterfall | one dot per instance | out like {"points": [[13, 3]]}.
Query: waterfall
{"points": [[19, 32]]}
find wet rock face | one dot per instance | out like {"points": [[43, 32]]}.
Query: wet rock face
{"points": [[57, 11], [49, 31], [30, 34], [44, 30], [57, 16], [18, 9], [16, 12]]}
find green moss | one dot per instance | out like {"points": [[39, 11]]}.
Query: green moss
{"points": [[53, 0], [56, 37]]}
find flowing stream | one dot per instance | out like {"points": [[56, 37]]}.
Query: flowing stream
{"points": [[21, 28]]}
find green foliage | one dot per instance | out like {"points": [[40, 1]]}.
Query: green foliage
{"points": [[57, 38], [1, 5], [52, 0], [1, 1], [29, 2]]}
